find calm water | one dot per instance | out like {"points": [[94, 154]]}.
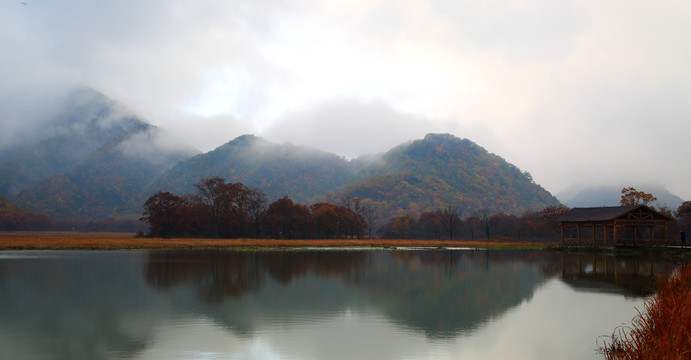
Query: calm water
{"points": [[446, 304]]}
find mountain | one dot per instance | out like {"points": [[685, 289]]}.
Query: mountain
{"points": [[442, 170], [422, 175], [14, 218], [302, 173], [96, 159], [610, 195], [93, 162]]}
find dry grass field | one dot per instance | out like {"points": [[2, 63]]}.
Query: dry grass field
{"points": [[30, 240], [663, 330]]}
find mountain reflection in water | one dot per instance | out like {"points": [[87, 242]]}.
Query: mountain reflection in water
{"points": [[439, 292], [101, 305]]}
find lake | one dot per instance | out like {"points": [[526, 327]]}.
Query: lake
{"points": [[315, 304]]}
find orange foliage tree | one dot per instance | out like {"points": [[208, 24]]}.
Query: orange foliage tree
{"points": [[630, 197]]}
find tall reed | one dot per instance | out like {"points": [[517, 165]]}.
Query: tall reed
{"points": [[663, 330]]}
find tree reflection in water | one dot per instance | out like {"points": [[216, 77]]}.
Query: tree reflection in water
{"points": [[101, 305], [440, 293]]}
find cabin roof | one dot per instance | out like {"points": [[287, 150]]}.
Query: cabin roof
{"points": [[605, 213]]}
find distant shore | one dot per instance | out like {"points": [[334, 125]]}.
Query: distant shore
{"points": [[59, 240]]}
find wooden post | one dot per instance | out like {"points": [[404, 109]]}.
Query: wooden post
{"points": [[614, 234], [605, 235], [652, 237], [666, 233]]}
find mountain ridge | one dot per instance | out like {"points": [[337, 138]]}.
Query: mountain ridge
{"points": [[419, 175], [255, 161], [94, 160], [444, 170], [610, 195], [97, 159]]}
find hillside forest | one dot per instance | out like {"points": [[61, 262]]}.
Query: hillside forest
{"points": [[232, 210], [94, 165]]}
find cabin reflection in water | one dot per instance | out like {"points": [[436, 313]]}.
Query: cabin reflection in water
{"points": [[603, 273]]}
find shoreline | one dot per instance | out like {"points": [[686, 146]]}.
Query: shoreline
{"points": [[65, 240]]}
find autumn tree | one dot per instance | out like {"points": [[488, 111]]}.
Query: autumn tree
{"points": [[162, 211], [233, 209], [284, 219], [400, 227], [543, 223], [472, 225], [256, 204], [430, 225], [235, 212], [211, 194], [449, 220], [370, 216], [683, 215], [352, 216], [326, 219], [631, 197], [505, 225], [483, 221]]}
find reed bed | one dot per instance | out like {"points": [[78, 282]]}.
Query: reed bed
{"points": [[663, 330], [45, 240]]}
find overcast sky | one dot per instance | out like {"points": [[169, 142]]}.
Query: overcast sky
{"points": [[571, 91]]}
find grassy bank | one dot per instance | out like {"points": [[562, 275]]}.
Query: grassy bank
{"points": [[663, 330], [111, 241]]}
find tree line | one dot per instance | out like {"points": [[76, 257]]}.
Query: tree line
{"points": [[232, 210], [13, 218], [446, 223], [543, 224]]}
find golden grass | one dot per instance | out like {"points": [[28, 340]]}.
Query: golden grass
{"points": [[56, 240], [663, 330]]}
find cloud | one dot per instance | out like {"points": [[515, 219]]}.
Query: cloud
{"points": [[572, 91], [155, 146], [351, 128]]}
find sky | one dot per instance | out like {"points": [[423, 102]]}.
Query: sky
{"points": [[574, 92]]}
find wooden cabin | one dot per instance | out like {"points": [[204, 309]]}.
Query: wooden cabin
{"points": [[636, 225]]}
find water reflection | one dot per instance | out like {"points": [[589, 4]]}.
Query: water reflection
{"points": [[71, 305], [102, 305], [441, 293], [603, 273]]}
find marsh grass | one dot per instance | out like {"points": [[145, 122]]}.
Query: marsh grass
{"points": [[111, 241], [663, 330]]}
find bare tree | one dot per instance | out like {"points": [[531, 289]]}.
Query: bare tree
{"points": [[354, 219], [256, 204], [483, 219], [211, 192], [370, 217], [449, 219]]}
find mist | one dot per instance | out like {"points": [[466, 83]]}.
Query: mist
{"points": [[573, 92]]}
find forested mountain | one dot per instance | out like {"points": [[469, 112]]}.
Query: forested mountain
{"points": [[304, 174], [418, 176], [442, 170], [14, 218], [93, 161]]}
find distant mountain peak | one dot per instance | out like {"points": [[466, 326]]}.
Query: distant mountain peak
{"points": [[91, 160], [435, 137], [246, 139], [610, 195]]}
